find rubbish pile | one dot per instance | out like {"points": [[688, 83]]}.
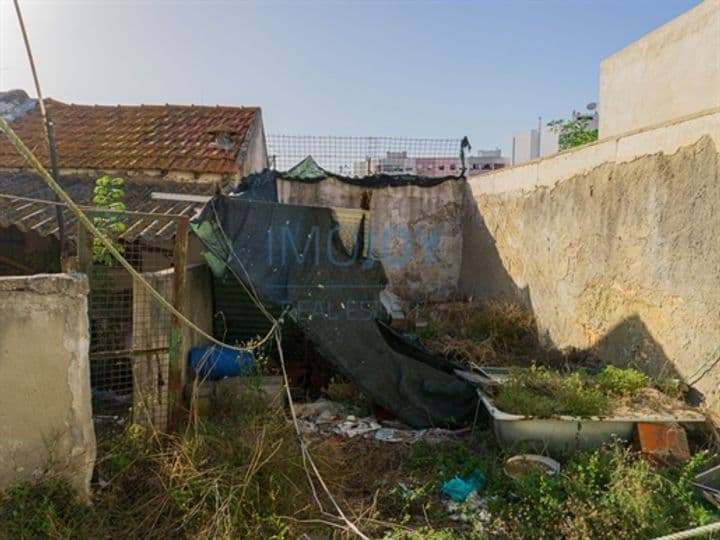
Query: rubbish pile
{"points": [[474, 509], [325, 417]]}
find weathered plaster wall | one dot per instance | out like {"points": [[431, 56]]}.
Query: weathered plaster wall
{"points": [[198, 307], [672, 72], [416, 231], [624, 257], [253, 154], [45, 409], [667, 138]]}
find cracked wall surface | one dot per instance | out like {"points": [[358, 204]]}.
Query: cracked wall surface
{"points": [[417, 232], [624, 257], [45, 407]]}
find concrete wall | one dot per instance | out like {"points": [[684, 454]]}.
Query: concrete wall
{"points": [[613, 246], [671, 72], [667, 138], [402, 218], [254, 152], [45, 409]]}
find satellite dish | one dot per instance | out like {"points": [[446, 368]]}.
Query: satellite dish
{"points": [[591, 106]]}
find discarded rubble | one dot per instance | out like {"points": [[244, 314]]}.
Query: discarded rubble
{"points": [[323, 417]]}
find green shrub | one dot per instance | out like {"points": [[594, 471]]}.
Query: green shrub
{"points": [[608, 493], [49, 509], [621, 382], [543, 392], [108, 195]]}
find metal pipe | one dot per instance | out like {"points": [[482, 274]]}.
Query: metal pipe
{"points": [[49, 132]]}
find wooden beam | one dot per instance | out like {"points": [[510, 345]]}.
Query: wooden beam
{"points": [[183, 197]]}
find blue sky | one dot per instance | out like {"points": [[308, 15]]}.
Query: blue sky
{"points": [[416, 69]]}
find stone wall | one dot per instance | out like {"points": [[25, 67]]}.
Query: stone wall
{"points": [[425, 221], [623, 257], [45, 408], [669, 73]]}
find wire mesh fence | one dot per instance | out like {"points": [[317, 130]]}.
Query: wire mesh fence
{"points": [[363, 156], [134, 354]]}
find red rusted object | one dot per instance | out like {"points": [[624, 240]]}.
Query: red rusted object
{"points": [[662, 443]]}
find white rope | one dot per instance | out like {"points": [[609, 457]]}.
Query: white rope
{"points": [[274, 331], [305, 452], [692, 533], [90, 226]]}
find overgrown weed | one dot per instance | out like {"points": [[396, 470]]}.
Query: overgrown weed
{"points": [[607, 493], [543, 392], [540, 391], [233, 477], [490, 333]]}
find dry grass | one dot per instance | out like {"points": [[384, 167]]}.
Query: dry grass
{"points": [[238, 475], [490, 333]]}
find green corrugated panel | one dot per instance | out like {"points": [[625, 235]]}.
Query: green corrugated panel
{"points": [[242, 318]]}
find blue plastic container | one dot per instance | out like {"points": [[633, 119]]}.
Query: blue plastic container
{"points": [[216, 362]]}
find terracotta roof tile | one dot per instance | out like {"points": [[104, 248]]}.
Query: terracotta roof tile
{"points": [[165, 137]]}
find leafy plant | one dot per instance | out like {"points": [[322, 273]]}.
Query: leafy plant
{"points": [[621, 382], [108, 195], [50, 509], [607, 493], [543, 392], [574, 132]]}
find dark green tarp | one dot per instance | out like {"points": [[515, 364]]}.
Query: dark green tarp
{"points": [[293, 257]]}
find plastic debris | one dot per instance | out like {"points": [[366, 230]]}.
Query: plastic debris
{"points": [[458, 489], [709, 482], [322, 408], [433, 435], [352, 427], [473, 510], [324, 417]]}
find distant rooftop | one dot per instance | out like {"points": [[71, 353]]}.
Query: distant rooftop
{"points": [[185, 138]]}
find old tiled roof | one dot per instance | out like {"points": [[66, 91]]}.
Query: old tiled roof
{"points": [[40, 217], [145, 137]]}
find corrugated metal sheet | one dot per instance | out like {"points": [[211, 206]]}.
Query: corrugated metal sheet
{"points": [[237, 319], [19, 190]]}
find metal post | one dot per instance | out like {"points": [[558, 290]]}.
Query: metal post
{"points": [[49, 131], [84, 251], [177, 364]]}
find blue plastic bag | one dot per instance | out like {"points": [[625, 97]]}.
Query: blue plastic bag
{"points": [[458, 489]]}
